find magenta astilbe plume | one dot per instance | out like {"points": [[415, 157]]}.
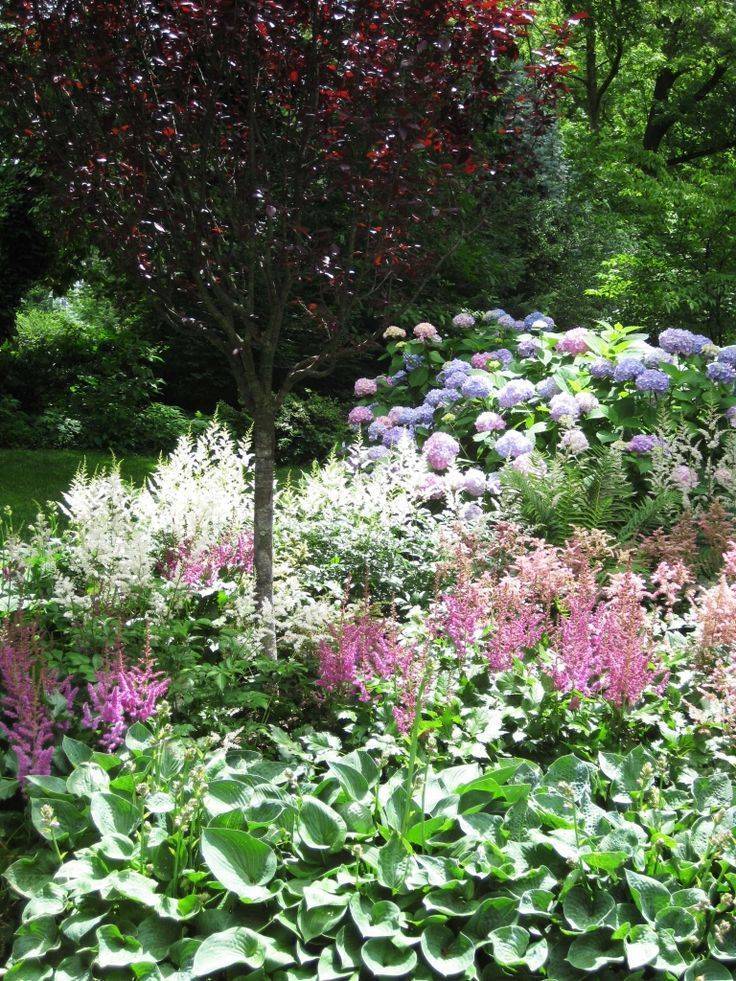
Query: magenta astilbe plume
{"points": [[625, 643], [205, 566], [577, 642], [518, 624], [28, 722], [121, 695]]}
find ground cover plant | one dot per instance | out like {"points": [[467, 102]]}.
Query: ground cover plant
{"points": [[498, 737]]}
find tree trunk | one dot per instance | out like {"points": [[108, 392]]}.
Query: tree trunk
{"points": [[264, 448]]}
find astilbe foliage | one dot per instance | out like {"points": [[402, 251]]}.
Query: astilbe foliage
{"points": [[121, 694], [29, 721]]}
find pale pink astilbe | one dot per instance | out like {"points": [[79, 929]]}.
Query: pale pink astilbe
{"points": [[28, 718], [626, 646], [576, 641], [729, 562], [716, 616], [204, 566], [542, 572], [460, 613], [122, 694], [518, 624], [671, 580], [365, 651]]}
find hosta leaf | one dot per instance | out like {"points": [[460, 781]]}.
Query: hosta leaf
{"points": [[65, 819], [592, 951], [87, 779], [682, 924], [385, 960], [238, 945], [227, 795], [239, 861], [586, 909], [709, 970], [509, 945], [449, 954], [350, 779], [649, 895], [722, 940], [320, 826], [381, 919], [29, 875], [394, 863], [604, 861], [113, 814], [116, 949], [315, 921], [498, 911], [641, 946], [711, 792]]}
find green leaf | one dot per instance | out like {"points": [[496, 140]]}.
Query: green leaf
{"points": [[709, 970], [67, 820], [682, 924], [87, 779], [381, 919], [586, 909], [239, 861], [641, 946], [448, 954], [28, 875], [384, 960], [320, 910], [394, 863], [607, 861], [113, 814], [76, 751], [320, 827], [116, 949], [713, 792], [592, 951], [238, 945], [351, 780], [649, 895]]}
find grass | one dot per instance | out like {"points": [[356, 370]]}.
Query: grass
{"points": [[31, 478]]}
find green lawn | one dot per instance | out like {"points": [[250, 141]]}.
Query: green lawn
{"points": [[30, 478]]}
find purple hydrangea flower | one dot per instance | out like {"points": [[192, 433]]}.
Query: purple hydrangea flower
{"points": [[441, 396], [412, 361], [515, 392], [655, 357], [456, 366], [377, 453], [575, 441], [441, 450], [490, 315], [463, 321], [377, 429], [564, 407], [424, 415], [513, 444], [474, 482], [642, 443], [397, 378], [719, 371], [727, 355], [493, 483], [684, 477], [402, 415], [531, 321], [628, 369], [573, 341], [360, 415], [528, 347], [601, 368], [365, 386], [488, 422], [470, 512], [477, 387], [507, 321], [547, 387], [652, 380], [455, 379], [396, 434], [677, 341]]}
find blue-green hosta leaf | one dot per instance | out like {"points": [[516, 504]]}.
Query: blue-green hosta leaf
{"points": [[650, 895], [536, 902], [607, 861], [592, 951], [320, 826], [227, 795], [709, 970], [352, 781], [713, 792], [450, 902], [51, 901], [587, 909], [79, 923], [319, 912], [242, 863], [381, 919], [156, 936], [118, 847], [72, 969], [394, 863], [54, 818], [113, 814], [29, 875], [329, 967], [238, 945], [159, 803], [348, 943], [641, 946], [86, 779], [116, 949], [449, 954], [385, 960], [36, 938], [43, 786], [495, 912], [569, 770], [509, 945], [138, 737], [682, 924]]}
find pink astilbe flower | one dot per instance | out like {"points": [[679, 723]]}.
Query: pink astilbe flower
{"points": [[626, 644], [729, 562], [576, 640], [361, 653], [28, 720], [122, 694], [543, 573], [716, 616], [518, 624], [671, 580], [204, 566]]}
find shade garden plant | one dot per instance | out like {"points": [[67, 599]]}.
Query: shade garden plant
{"points": [[498, 739]]}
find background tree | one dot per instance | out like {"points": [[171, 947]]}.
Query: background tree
{"points": [[266, 167]]}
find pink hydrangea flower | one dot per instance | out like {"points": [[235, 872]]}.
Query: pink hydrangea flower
{"points": [[365, 386], [360, 415], [573, 341], [441, 451], [488, 422], [426, 332]]}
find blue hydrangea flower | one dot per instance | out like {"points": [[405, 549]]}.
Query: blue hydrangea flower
{"points": [[528, 347], [377, 453], [457, 364], [514, 392], [424, 415], [727, 355], [402, 415], [655, 357], [455, 379], [477, 387], [628, 369], [642, 443], [719, 371], [397, 378], [601, 368], [547, 387], [652, 380], [441, 396], [531, 320], [464, 321], [513, 444], [677, 341], [503, 356], [507, 321], [564, 407], [490, 315], [412, 361], [394, 435]]}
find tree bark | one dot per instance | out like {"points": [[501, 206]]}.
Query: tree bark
{"points": [[264, 448]]}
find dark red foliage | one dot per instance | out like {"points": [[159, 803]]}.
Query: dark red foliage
{"points": [[264, 164]]}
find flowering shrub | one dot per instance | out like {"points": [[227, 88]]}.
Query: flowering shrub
{"points": [[493, 389]]}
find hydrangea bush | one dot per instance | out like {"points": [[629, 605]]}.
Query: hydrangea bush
{"points": [[495, 391]]}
